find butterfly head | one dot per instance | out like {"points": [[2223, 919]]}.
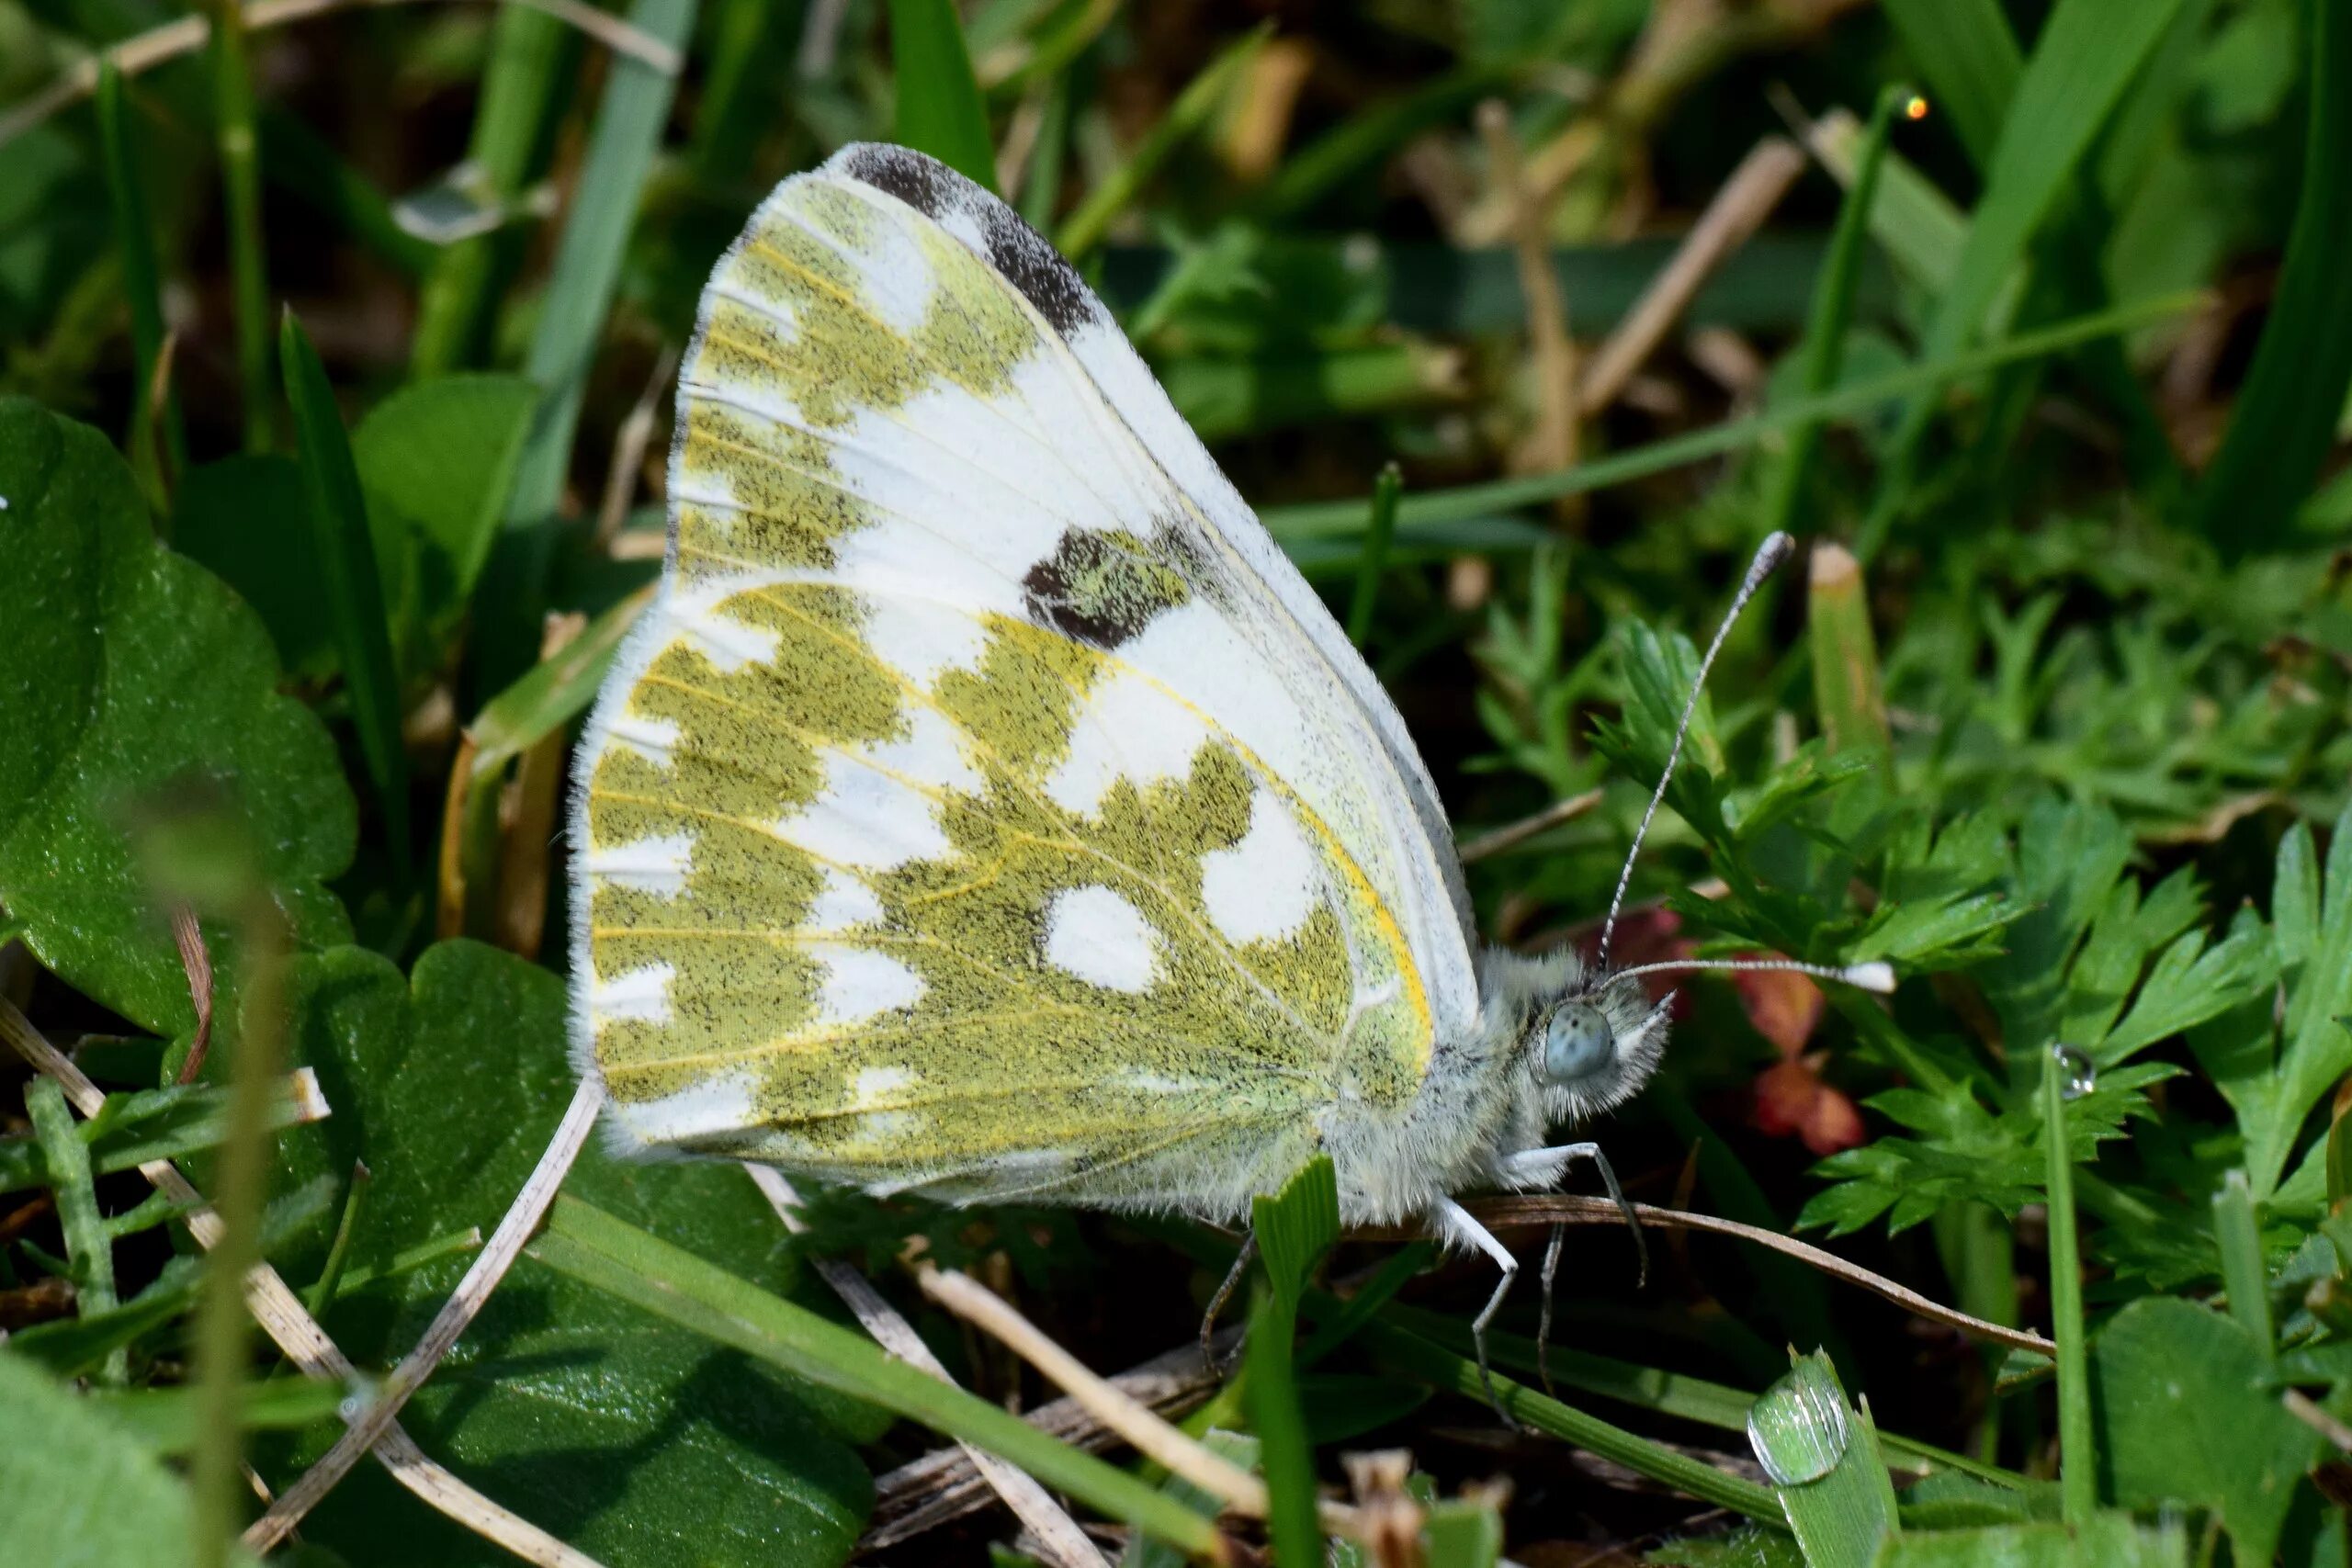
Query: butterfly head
{"points": [[1577, 1040]]}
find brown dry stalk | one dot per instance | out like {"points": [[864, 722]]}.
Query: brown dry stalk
{"points": [[196, 961], [1552, 443], [145, 50], [1057, 1535], [1526, 828], [1737, 210], [296, 1332], [490, 1266]]}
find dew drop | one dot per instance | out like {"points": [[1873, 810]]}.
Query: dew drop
{"points": [[2078, 1074]]}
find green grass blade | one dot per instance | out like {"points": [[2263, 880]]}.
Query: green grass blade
{"points": [[1325, 519], [750, 50], [554, 692], [88, 1244], [1270, 1393], [2238, 1231], [1041, 184], [2077, 1446], [1201, 99], [1378, 534], [1832, 312], [2085, 57], [626, 1262], [232, 114], [572, 318], [1848, 690], [1966, 54], [1442, 1369], [528, 50], [1344, 151], [134, 238], [1823, 1457], [939, 109], [346, 557], [2285, 419]]}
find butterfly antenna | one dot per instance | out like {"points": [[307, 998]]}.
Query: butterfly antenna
{"points": [[1775, 549], [1875, 976]]}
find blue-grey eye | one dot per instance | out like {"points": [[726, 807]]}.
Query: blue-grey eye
{"points": [[1577, 1043]]}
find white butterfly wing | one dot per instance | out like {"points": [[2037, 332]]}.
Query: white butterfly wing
{"points": [[986, 805]]}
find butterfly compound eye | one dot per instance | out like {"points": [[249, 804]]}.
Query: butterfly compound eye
{"points": [[1577, 1043]]}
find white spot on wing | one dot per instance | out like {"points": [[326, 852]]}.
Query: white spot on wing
{"points": [[1129, 728], [1264, 885], [718, 1105], [843, 901], [873, 1084], [698, 615], [653, 737], [931, 753], [922, 638], [642, 993], [865, 820], [1097, 935], [657, 864], [860, 984]]}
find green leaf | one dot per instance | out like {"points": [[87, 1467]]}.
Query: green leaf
{"points": [[76, 1488], [166, 1419], [2188, 1415], [1297, 1226], [673, 1284], [1823, 1457], [128, 678], [639, 1446], [2285, 418], [246, 519], [343, 550], [156, 1123], [435, 460], [2106, 1541], [939, 109]]}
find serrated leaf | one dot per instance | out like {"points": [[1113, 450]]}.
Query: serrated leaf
{"points": [[1297, 1226], [131, 677], [638, 1444]]}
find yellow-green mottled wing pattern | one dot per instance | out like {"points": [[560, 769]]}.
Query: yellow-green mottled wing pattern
{"points": [[983, 806]]}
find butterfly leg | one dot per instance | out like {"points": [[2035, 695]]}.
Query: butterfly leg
{"points": [[1457, 1224], [1544, 1167], [1224, 1294]]}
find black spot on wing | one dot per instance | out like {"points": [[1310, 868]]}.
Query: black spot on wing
{"points": [[1024, 258], [1101, 588]]}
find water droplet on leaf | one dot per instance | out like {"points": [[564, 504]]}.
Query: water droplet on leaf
{"points": [[2077, 1074]]}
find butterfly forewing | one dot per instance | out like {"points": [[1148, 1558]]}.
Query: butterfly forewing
{"points": [[973, 811]]}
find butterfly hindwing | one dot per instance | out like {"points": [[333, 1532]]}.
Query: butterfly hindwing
{"points": [[969, 812]]}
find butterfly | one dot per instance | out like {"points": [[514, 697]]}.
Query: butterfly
{"points": [[987, 809]]}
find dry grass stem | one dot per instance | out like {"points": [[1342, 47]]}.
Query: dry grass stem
{"points": [[1552, 443], [1739, 209], [1055, 1533], [282, 1316], [630, 445], [489, 1268], [1539, 1209], [145, 50], [1515, 834], [943, 1485]]}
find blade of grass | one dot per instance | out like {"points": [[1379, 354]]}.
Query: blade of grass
{"points": [[1967, 54], [2238, 1232], [1293, 1229], [1442, 1369], [1235, 1447], [1832, 312], [323, 1290], [1822, 1458], [670, 1282], [527, 53], [134, 238], [346, 556], [1849, 692], [157, 1123], [1342, 151], [1373, 563], [572, 321], [232, 115], [1325, 519], [1041, 189], [89, 1245], [2086, 55], [939, 109], [751, 49], [2077, 1446], [1202, 96], [2284, 421]]}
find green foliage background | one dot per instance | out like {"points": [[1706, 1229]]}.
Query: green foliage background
{"points": [[333, 383]]}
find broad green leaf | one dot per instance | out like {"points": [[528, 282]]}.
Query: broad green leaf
{"points": [[638, 1444], [133, 682], [437, 459], [2188, 1415], [2107, 1540], [75, 1488], [246, 519]]}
